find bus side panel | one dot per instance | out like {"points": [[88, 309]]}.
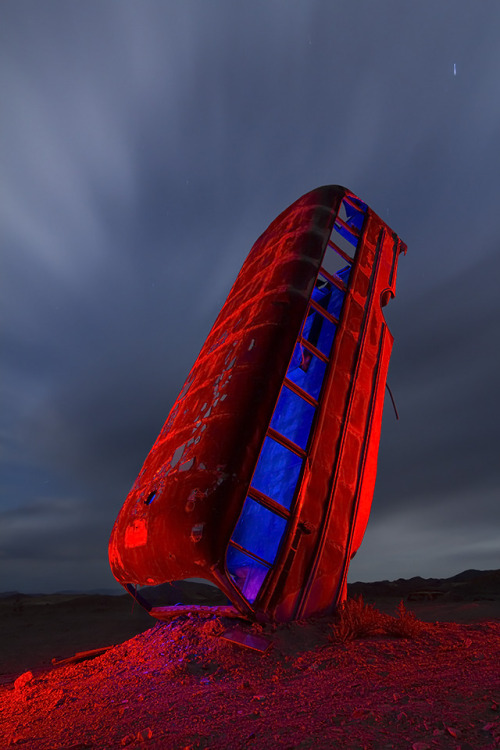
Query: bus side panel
{"points": [[338, 483], [178, 517]]}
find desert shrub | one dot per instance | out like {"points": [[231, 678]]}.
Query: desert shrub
{"points": [[355, 619], [405, 625]]}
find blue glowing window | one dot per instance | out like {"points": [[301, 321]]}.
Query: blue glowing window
{"points": [[277, 472], [293, 417], [248, 574], [259, 530], [351, 215], [319, 331], [328, 296], [306, 370]]}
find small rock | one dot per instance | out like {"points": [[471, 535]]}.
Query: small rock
{"points": [[23, 680], [16, 739], [145, 734]]}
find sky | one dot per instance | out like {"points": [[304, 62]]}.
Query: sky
{"points": [[144, 148]]}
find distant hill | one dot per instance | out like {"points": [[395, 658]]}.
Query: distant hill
{"points": [[65, 592], [469, 585]]}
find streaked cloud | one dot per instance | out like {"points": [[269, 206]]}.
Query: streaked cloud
{"points": [[145, 147]]}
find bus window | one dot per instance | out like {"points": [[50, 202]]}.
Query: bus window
{"points": [[277, 472], [293, 417], [306, 370], [246, 572], [259, 530], [319, 331], [329, 296]]}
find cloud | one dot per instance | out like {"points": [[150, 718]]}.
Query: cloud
{"points": [[147, 146], [429, 539], [444, 372]]}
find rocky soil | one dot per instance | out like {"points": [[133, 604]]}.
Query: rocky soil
{"points": [[183, 685]]}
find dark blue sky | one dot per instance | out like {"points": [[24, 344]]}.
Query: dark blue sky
{"points": [[145, 147]]}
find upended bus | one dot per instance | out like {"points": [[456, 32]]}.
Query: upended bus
{"points": [[261, 480]]}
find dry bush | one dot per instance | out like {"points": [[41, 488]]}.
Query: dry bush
{"points": [[355, 619], [405, 625]]}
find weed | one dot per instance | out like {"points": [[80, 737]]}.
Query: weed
{"points": [[355, 619], [405, 625]]}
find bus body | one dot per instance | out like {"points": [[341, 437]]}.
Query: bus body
{"points": [[262, 477]]}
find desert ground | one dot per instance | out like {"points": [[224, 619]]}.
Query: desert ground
{"points": [[182, 684]]}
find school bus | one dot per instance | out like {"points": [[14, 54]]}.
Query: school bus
{"points": [[261, 480]]}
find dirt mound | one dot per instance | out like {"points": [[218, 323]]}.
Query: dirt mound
{"points": [[181, 685]]}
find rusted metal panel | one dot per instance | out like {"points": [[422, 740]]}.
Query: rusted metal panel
{"points": [[262, 477]]}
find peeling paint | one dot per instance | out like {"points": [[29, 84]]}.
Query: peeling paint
{"points": [[187, 465], [177, 455], [197, 532], [185, 388], [252, 343], [219, 341], [223, 397]]}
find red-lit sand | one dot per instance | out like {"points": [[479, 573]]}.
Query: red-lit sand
{"points": [[178, 685]]}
